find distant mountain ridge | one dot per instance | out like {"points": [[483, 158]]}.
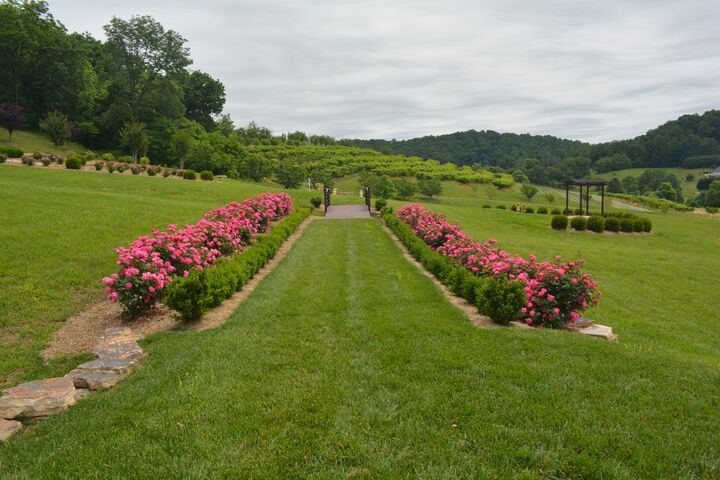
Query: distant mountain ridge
{"points": [[668, 145]]}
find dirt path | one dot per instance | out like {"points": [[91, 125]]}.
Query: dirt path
{"points": [[81, 332]]}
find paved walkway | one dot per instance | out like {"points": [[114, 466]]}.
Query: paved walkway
{"points": [[347, 211]]}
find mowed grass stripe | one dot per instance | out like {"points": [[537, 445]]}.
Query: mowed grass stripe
{"points": [[347, 361]]}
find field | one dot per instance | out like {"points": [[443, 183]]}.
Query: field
{"points": [[36, 142], [346, 361]]}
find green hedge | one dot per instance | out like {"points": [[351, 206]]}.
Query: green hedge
{"points": [[195, 294], [11, 152], [499, 299]]}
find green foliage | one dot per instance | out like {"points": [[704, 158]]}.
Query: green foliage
{"points": [[528, 190], [108, 157], [201, 290], [290, 175], [627, 225], [380, 204], [316, 202], [12, 116], [3, 157], [615, 186], [56, 126], [501, 207], [529, 210], [559, 222], [556, 211], [99, 166], [612, 224], [429, 187], [667, 192], [712, 197], [404, 188], [11, 152], [189, 175], [73, 163], [133, 136], [654, 202], [630, 185], [206, 175], [500, 299], [542, 210], [596, 223], [578, 223]]}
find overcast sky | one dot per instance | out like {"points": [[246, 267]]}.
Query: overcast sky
{"points": [[587, 70]]}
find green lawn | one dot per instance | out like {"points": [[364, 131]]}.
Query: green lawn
{"points": [[37, 142], [347, 362], [60, 229]]}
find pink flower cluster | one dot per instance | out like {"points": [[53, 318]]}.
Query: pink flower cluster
{"points": [[556, 292], [150, 263]]}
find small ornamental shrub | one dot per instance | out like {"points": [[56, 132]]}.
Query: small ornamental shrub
{"points": [[596, 224], [567, 211], [612, 224], [712, 210], [11, 152], [578, 223], [501, 207], [152, 171], [556, 211], [380, 204], [125, 159], [166, 172], [578, 211], [37, 156], [317, 201], [627, 225], [647, 225], [487, 205], [73, 163], [501, 299], [559, 222], [529, 210], [111, 168], [180, 173], [513, 208], [144, 161], [121, 168], [189, 175], [542, 210], [99, 166], [136, 169], [206, 175], [108, 157], [46, 161], [60, 159], [3, 157], [28, 161], [638, 225]]}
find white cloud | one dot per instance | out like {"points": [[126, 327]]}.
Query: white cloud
{"points": [[593, 71]]}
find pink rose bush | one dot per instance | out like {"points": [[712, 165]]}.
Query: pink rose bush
{"points": [[556, 292], [148, 265]]}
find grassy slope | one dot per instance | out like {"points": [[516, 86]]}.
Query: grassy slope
{"points": [[37, 142], [347, 362], [60, 229]]}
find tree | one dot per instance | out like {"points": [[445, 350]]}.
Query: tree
{"points": [[630, 185], [712, 197], [134, 137], [204, 97], [384, 188], [56, 127], [404, 187], [529, 190], [490, 191], [144, 51], [255, 168], [12, 117], [520, 177], [429, 187], [180, 145], [667, 192], [297, 138], [615, 186], [550, 197], [290, 175]]}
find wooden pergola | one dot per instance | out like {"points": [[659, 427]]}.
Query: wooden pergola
{"points": [[587, 184]]}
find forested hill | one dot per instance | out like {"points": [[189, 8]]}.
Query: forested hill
{"points": [[691, 140], [484, 147]]}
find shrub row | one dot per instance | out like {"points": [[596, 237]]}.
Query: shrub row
{"points": [[201, 290], [553, 293], [654, 202], [150, 264], [11, 152], [614, 222]]}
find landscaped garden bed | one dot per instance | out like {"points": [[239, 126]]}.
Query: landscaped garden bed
{"points": [[615, 222], [505, 287]]}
